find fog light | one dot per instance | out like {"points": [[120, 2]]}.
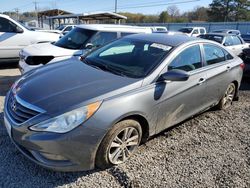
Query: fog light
{"points": [[53, 157], [41, 156]]}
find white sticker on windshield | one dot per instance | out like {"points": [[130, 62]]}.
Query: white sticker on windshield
{"points": [[161, 46]]}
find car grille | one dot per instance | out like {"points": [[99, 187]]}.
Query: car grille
{"points": [[18, 112]]}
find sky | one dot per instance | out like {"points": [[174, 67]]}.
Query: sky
{"points": [[82, 6]]}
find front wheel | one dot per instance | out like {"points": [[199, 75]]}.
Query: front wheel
{"points": [[228, 97], [119, 144]]}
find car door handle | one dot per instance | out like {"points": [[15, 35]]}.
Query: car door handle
{"points": [[201, 81]]}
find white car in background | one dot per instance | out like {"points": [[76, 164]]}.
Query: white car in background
{"points": [[159, 29], [79, 41], [232, 42], [193, 31], [64, 29], [228, 31], [14, 36]]}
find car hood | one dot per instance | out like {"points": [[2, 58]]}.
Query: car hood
{"points": [[62, 86], [49, 49]]}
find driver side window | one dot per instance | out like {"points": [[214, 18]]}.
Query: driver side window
{"points": [[7, 26], [188, 60]]}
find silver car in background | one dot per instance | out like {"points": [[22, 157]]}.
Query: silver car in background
{"points": [[96, 112]]}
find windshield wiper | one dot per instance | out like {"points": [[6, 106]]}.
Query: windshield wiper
{"points": [[104, 67]]}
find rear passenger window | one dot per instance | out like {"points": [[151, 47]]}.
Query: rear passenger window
{"points": [[125, 34], [236, 40], [102, 38], [202, 31], [213, 54], [188, 60], [228, 41]]}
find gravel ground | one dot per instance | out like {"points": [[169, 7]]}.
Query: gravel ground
{"points": [[210, 150]]}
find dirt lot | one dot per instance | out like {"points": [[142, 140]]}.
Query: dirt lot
{"points": [[210, 150]]}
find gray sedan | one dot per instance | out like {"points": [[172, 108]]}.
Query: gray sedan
{"points": [[76, 115]]}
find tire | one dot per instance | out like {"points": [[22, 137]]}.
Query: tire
{"points": [[227, 99], [115, 148]]}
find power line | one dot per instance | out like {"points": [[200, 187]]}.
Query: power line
{"points": [[155, 4]]}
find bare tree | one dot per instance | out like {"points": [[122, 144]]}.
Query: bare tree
{"points": [[173, 11]]}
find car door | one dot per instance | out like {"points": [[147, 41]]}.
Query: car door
{"points": [[195, 33], [180, 100], [237, 45], [229, 44], [218, 67], [202, 31], [12, 39]]}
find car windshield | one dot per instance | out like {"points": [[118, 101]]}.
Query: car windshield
{"points": [[186, 30], [128, 57], [215, 38], [76, 39]]}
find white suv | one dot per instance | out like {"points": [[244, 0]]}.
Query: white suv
{"points": [[193, 31], [14, 36], [80, 40]]}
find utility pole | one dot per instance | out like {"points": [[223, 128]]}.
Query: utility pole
{"points": [[36, 9], [115, 6], [17, 13]]}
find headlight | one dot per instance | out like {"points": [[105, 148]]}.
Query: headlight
{"points": [[21, 55], [68, 121]]}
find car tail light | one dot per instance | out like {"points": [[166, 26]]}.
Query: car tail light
{"points": [[242, 65]]}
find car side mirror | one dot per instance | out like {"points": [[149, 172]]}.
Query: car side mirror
{"points": [[89, 46], [19, 30], [226, 44], [175, 75]]}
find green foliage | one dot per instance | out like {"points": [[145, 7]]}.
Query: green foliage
{"points": [[164, 17], [229, 10]]}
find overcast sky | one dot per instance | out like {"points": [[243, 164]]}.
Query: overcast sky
{"points": [[80, 6]]}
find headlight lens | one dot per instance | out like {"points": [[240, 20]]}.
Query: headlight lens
{"points": [[68, 121]]}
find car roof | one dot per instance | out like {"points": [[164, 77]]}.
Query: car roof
{"points": [[226, 30], [220, 34], [4, 15], [170, 40], [113, 27], [192, 27]]}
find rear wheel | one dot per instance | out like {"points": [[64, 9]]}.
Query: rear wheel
{"points": [[119, 144], [228, 97]]}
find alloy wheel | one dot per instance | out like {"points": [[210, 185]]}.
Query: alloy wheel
{"points": [[123, 145], [229, 95]]}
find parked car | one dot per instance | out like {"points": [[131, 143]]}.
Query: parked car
{"points": [[193, 31], [95, 112], [232, 42], [246, 59], [14, 36], [228, 31], [159, 29], [79, 41], [246, 37], [64, 29]]}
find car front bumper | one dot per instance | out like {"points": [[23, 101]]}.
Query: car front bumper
{"points": [[72, 151]]}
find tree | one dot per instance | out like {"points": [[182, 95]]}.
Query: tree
{"points": [[173, 11], [242, 10], [164, 17], [198, 14], [229, 10]]}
